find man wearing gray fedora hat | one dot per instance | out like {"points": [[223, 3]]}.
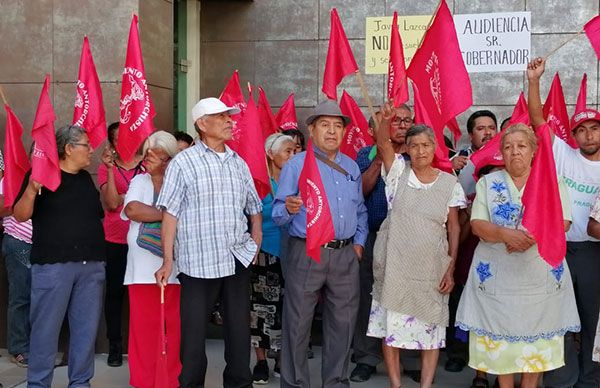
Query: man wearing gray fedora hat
{"points": [[336, 276]]}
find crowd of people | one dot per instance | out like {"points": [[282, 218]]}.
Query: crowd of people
{"points": [[421, 259]]}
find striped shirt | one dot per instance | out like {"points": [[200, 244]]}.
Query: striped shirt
{"points": [[211, 196], [19, 230]]}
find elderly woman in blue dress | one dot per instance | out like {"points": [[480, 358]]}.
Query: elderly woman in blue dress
{"points": [[515, 306], [414, 253]]}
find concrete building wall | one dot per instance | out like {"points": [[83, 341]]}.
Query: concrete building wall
{"points": [[45, 36], [282, 45]]}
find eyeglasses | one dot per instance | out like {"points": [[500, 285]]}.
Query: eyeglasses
{"points": [[406, 120], [86, 145]]}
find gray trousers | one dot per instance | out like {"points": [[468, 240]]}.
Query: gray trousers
{"points": [[579, 370], [336, 278], [367, 350]]}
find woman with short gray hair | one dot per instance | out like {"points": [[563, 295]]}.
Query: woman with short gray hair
{"points": [[67, 257], [415, 252], [143, 259]]}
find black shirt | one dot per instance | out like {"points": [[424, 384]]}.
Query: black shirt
{"points": [[67, 223]]}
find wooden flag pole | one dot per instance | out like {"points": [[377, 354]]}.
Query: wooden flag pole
{"points": [[365, 94], [563, 43], [3, 96], [429, 24]]}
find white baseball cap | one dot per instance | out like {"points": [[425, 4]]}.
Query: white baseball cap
{"points": [[211, 106]]}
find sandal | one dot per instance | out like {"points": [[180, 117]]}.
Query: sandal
{"points": [[480, 382]]}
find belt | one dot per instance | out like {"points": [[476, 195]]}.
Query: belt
{"points": [[337, 244], [333, 244]]}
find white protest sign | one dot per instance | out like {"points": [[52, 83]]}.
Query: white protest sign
{"points": [[492, 42]]}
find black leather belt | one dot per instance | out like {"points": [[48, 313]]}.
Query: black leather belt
{"points": [[337, 244]]}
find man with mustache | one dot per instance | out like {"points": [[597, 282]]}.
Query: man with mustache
{"points": [[580, 169], [207, 198], [481, 127]]}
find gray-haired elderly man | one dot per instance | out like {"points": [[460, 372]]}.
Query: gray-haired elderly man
{"points": [[336, 276], [207, 196]]}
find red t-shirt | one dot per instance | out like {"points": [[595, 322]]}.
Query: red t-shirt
{"points": [[115, 229]]}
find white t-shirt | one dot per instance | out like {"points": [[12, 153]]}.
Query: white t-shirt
{"points": [[582, 177], [141, 264]]}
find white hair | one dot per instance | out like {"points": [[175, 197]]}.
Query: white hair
{"points": [[163, 140], [276, 141]]}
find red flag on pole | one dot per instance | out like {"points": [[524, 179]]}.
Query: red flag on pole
{"points": [[490, 152], [581, 104], [397, 83], [520, 112], [89, 107], [15, 158], [340, 60], [455, 129], [286, 117], [542, 213], [356, 135], [265, 115], [232, 96], [555, 112], [137, 110], [251, 147], [319, 224], [44, 160], [439, 71], [592, 30], [440, 158]]}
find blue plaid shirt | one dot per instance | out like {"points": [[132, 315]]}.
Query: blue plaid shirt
{"points": [[375, 202]]}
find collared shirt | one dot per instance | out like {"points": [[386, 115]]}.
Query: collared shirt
{"points": [[344, 195], [210, 195]]}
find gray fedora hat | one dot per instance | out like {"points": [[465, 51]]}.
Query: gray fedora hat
{"points": [[327, 108]]}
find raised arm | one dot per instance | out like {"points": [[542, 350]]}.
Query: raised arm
{"points": [[535, 69], [384, 146]]}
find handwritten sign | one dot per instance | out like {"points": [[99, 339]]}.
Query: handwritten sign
{"points": [[492, 42], [377, 44]]}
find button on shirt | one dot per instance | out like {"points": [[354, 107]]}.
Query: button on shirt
{"points": [[210, 195], [344, 194]]}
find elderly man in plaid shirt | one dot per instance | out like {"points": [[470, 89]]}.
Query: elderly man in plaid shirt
{"points": [[207, 197]]}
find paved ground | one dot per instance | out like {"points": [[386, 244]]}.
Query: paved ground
{"points": [[105, 377]]}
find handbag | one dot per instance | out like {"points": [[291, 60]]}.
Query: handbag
{"points": [[149, 235], [149, 238]]}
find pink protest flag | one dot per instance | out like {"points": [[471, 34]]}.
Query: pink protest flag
{"points": [[45, 168], [555, 112], [356, 135], [137, 110], [581, 104], [440, 158], [520, 112], [265, 115], [542, 213], [319, 224], [15, 158], [455, 129], [340, 60], [232, 96], [251, 147], [490, 152], [439, 72], [397, 85], [89, 105], [592, 31], [286, 117]]}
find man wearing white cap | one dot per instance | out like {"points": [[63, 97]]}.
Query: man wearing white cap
{"points": [[207, 197], [580, 169]]}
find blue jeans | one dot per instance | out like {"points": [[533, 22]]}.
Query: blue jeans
{"points": [[73, 288], [18, 270]]}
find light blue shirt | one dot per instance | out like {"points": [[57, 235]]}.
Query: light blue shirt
{"points": [[344, 195], [271, 242]]}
